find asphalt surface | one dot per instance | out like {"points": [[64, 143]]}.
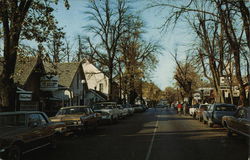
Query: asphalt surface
{"points": [[152, 135]]}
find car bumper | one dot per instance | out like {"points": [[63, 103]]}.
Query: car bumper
{"points": [[106, 117], [74, 127]]}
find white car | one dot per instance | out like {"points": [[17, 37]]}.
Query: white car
{"points": [[108, 111], [131, 110], [123, 111], [193, 110]]}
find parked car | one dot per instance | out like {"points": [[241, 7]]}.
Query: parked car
{"points": [[200, 110], [193, 109], [138, 108], [238, 123], [215, 112], [131, 110], [123, 111], [108, 110], [22, 132], [77, 118]]}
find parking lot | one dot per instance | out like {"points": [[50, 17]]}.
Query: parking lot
{"points": [[151, 135]]}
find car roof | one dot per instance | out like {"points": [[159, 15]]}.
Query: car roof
{"points": [[75, 107], [106, 102], [217, 104], [19, 112]]}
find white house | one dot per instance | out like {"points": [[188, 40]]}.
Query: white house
{"points": [[96, 79]]}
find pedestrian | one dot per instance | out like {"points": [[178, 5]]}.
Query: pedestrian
{"points": [[179, 107]]}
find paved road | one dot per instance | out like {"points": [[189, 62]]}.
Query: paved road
{"points": [[152, 135]]}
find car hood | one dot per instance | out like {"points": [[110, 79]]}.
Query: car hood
{"points": [[7, 131], [60, 118]]}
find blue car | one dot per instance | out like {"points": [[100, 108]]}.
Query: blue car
{"points": [[216, 111]]}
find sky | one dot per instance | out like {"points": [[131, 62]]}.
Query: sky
{"points": [[74, 19]]}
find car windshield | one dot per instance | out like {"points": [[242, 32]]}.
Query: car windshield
{"points": [[204, 106], [225, 108], [66, 111], [12, 120]]}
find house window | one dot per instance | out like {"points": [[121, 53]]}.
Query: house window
{"points": [[101, 87]]}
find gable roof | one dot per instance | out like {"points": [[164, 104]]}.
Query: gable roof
{"points": [[65, 71], [25, 65], [99, 94]]}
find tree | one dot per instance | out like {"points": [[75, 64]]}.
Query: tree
{"points": [[223, 29], [186, 76], [171, 95], [152, 93], [55, 45], [108, 20], [31, 19], [137, 56]]}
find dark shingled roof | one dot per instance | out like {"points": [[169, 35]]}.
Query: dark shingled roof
{"points": [[65, 71], [23, 69]]}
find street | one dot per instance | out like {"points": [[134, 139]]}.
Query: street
{"points": [[152, 135]]}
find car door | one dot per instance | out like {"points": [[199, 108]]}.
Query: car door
{"points": [[209, 111], [92, 116], [233, 121], [115, 111], [89, 116], [33, 121], [243, 122], [40, 130], [46, 132]]}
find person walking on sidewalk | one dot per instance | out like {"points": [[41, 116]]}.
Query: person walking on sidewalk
{"points": [[179, 107]]}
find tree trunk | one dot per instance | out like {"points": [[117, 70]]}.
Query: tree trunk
{"points": [[110, 87]]}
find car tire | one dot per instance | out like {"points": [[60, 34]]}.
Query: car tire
{"points": [[210, 123], [194, 116], [14, 153], [204, 122]]}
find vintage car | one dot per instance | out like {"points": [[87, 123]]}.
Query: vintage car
{"points": [[108, 110], [77, 118], [239, 123], [138, 108], [123, 111], [24, 131], [215, 112], [130, 109]]}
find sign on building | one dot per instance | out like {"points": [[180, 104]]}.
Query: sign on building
{"points": [[24, 95], [49, 83], [224, 83]]}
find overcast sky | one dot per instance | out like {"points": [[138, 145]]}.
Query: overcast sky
{"points": [[74, 19]]}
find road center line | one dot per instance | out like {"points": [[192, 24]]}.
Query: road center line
{"points": [[152, 142]]}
